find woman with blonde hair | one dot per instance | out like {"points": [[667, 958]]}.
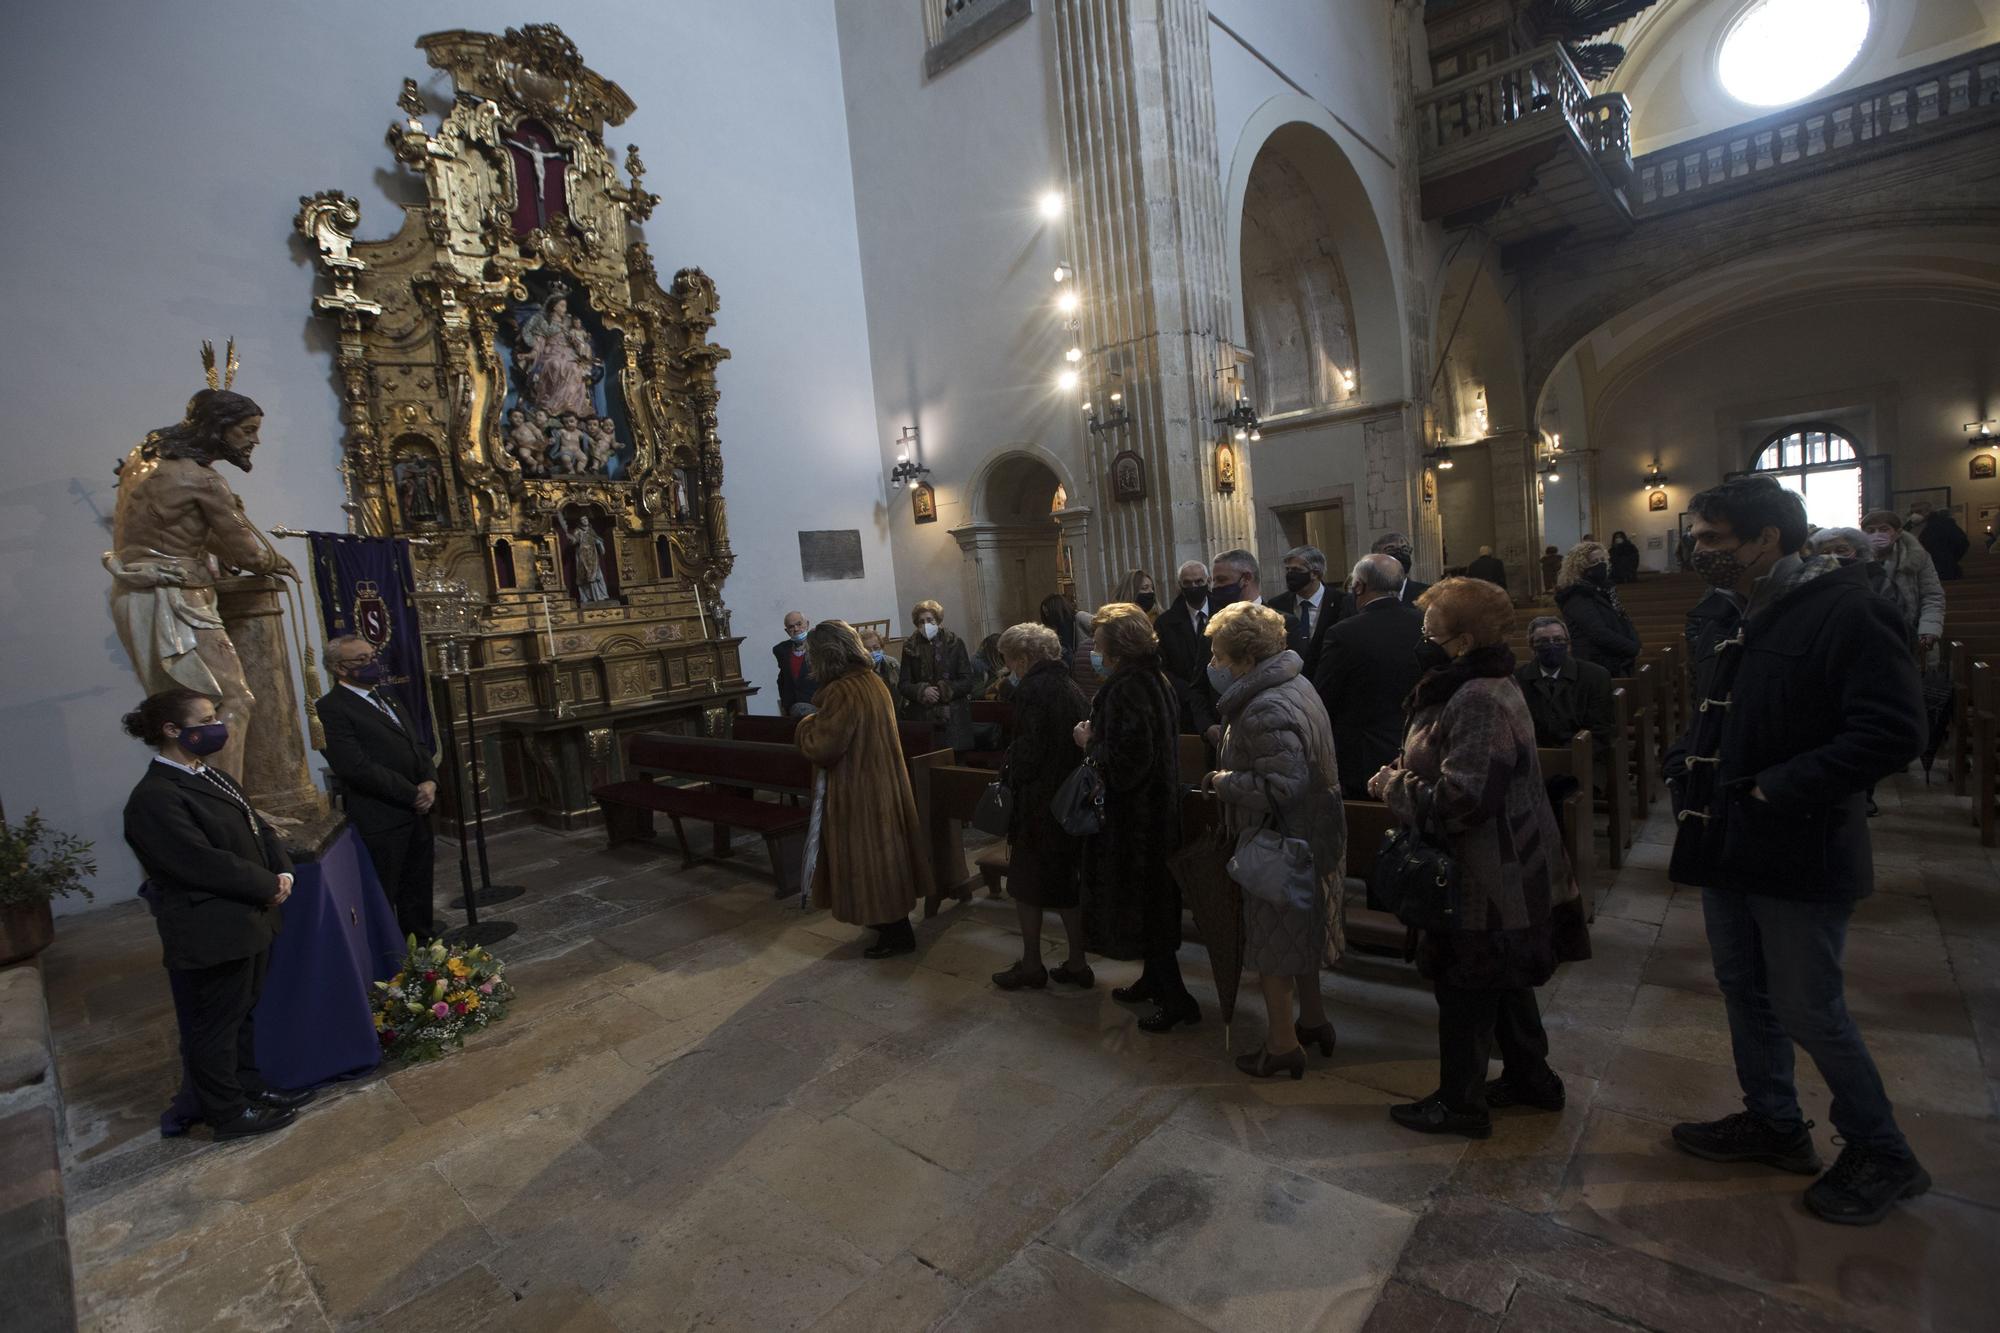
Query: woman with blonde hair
{"points": [[1278, 768], [1042, 857], [1131, 903], [1468, 779], [1599, 630], [1137, 588], [874, 860]]}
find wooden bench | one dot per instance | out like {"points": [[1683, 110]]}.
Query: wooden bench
{"points": [[1617, 802], [1368, 822], [1576, 760], [1959, 751], [725, 776], [955, 790], [1640, 689], [1985, 751]]}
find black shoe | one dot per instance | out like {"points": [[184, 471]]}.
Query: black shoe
{"points": [[284, 1101], [891, 940], [255, 1119], [1862, 1184], [1544, 1094], [1321, 1036], [1017, 976], [1432, 1116], [1263, 1064], [1171, 1014], [1138, 992], [1079, 976], [1744, 1137]]}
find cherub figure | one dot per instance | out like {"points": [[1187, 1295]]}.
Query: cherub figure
{"points": [[567, 439]]}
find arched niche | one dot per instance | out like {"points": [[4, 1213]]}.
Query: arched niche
{"points": [[1014, 544], [1294, 191]]}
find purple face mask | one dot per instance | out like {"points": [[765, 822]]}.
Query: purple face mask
{"points": [[371, 672], [205, 739]]}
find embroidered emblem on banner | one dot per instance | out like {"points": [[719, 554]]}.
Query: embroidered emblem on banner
{"points": [[371, 614]]}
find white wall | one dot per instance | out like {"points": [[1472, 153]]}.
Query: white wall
{"points": [[156, 154]]}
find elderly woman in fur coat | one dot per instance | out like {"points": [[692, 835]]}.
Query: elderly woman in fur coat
{"points": [[1468, 777], [873, 861], [1278, 769]]}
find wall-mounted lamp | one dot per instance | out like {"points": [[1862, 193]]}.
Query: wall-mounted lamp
{"points": [[1982, 431], [1063, 271], [909, 469], [1439, 458], [1114, 414], [1656, 480], [1241, 418], [1346, 380], [1051, 205], [1550, 472]]}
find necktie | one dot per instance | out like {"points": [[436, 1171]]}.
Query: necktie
{"points": [[1306, 619], [1200, 621], [387, 711]]}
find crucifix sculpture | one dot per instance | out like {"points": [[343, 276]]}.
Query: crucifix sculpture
{"points": [[531, 145]]}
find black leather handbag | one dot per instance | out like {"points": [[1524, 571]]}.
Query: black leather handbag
{"points": [[994, 813], [1079, 803], [1415, 879]]}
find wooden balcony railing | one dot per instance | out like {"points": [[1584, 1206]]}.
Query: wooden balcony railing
{"points": [[1518, 100], [1950, 97]]}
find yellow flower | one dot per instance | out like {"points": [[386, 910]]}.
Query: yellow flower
{"points": [[458, 968], [471, 1002]]}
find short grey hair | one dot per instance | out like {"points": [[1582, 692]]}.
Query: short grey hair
{"points": [[1542, 622], [338, 641], [1186, 565], [1241, 559], [1378, 573], [1388, 540], [1033, 643], [1311, 556], [1854, 537]]}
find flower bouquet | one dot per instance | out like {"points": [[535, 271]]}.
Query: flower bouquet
{"points": [[440, 994]]}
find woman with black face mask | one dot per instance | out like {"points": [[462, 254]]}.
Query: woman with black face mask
{"points": [[215, 877], [1599, 630]]}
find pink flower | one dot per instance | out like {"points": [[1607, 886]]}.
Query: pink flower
{"points": [[441, 1009], [487, 989]]}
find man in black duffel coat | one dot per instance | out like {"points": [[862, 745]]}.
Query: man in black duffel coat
{"points": [[216, 875], [1367, 668], [387, 779], [1812, 699]]}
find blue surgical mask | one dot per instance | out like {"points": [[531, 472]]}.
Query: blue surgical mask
{"points": [[1219, 678], [875, 655], [798, 636], [1097, 661]]}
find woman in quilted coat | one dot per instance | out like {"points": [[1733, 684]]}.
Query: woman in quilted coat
{"points": [[1278, 769], [1469, 778]]}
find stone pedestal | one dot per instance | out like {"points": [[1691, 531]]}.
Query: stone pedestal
{"points": [[275, 776]]}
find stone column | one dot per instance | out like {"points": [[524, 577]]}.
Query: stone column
{"points": [[275, 777], [1146, 236], [1395, 448], [1514, 529]]}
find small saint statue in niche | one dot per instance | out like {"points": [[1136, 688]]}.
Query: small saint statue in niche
{"points": [[1225, 467], [683, 504], [420, 488], [587, 551], [1059, 501]]}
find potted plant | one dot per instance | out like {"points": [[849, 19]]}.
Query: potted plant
{"points": [[38, 864]]}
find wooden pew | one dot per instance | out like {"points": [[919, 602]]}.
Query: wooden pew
{"points": [[954, 791], [1985, 737], [1576, 760], [1958, 752], [724, 776], [1640, 688], [1617, 801]]}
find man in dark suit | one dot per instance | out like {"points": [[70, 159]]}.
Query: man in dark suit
{"points": [[1565, 694], [387, 779], [795, 678], [216, 875], [1308, 600], [1395, 544], [1183, 631], [1367, 668], [1486, 565]]}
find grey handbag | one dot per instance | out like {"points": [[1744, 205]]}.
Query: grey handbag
{"points": [[1275, 868]]}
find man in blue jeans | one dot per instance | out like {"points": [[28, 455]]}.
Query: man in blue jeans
{"points": [[1808, 696]]}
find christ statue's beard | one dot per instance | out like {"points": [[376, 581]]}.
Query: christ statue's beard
{"points": [[240, 457]]}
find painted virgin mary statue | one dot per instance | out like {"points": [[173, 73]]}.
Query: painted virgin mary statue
{"points": [[556, 355]]}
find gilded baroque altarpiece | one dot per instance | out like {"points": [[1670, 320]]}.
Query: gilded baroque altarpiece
{"points": [[524, 397]]}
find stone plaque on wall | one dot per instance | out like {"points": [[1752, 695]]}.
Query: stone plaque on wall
{"points": [[831, 555]]}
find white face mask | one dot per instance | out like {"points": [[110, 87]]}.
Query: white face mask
{"points": [[930, 629]]}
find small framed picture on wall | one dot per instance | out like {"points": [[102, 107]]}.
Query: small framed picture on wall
{"points": [[1982, 467], [1656, 502]]}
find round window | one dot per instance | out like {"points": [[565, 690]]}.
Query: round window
{"points": [[1783, 51]]}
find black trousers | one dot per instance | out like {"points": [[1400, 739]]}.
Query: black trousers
{"points": [[404, 860], [1470, 1024], [1164, 972], [213, 1007]]}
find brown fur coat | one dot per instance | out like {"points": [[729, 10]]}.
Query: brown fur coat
{"points": [[873, 860]]}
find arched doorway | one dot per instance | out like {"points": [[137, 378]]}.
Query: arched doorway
{"points": [[1014, 546]]}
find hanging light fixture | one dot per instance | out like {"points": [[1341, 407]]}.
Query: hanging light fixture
{"points": [[1550, 472], [1241, 418], [1656, 480], [1063, 271]]}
